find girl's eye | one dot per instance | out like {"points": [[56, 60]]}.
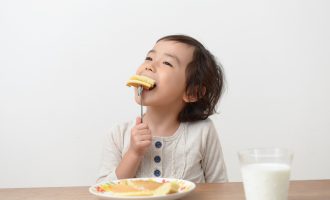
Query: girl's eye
{"points": [[148, 58], [167, 63]]}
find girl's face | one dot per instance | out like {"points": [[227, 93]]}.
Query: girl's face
{"points": [[166, 63]]}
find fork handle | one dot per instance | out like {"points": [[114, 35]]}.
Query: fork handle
{"points": [[140, 90]]}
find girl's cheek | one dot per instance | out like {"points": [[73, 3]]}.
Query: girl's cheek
{"points": [[139, 70]]}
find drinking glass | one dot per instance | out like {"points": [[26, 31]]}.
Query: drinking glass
{"points": [[265, 173]]}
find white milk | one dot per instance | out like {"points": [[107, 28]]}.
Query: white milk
{"points": [[266, 181]]}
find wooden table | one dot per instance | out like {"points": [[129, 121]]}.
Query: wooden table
{"points": [[299, 190]]}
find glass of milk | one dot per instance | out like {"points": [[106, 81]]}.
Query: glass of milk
{"points": [[266, 173]]}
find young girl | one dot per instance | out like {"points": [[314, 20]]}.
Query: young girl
{"points": [[176, 138]]}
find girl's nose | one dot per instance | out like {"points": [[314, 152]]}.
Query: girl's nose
{"points": [[150, 68]]}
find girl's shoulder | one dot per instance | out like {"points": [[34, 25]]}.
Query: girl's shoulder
{"points": [[202, 125], [202, 129]]}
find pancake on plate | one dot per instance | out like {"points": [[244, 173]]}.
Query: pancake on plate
{"points": [[139, 188]]}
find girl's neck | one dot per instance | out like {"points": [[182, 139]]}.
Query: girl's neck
{"points": [[162, 121]]}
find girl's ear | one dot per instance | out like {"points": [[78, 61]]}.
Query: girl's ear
{"points": [[194, 97]]}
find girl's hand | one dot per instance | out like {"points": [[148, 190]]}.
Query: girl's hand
{"points": [[141, 138]]}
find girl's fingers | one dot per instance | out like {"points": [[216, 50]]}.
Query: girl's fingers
{"points": [[141, 132], [141, 137], [138, 121], [145, 143], [144, 137], [144, 132], [141, 126]]}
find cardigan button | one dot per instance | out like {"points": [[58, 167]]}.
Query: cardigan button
{"points": [[157, 173], [158, 144], [157, 159]]}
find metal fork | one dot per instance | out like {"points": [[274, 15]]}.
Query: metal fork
{"points": [[139, 91]]}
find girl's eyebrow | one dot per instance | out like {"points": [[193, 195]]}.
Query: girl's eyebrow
{"points": [[166, 54]]}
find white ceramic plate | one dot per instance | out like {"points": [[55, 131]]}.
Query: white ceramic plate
{"points": [[185, 187]]}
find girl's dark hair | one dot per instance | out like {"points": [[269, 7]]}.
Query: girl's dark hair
{"points": [[204, 79]]}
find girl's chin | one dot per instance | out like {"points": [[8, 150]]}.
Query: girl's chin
{"points": [[145, 105], [137, 100], [144, 102]]}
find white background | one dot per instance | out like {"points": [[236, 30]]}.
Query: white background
{"points": [[63, 67]]}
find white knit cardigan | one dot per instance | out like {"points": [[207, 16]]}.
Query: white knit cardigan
{"points": [[192, 153]]}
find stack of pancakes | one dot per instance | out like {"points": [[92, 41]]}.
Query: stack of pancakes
{"points": [[144, 81]]}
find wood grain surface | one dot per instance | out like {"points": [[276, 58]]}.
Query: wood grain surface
{"points": [[299, 190]]}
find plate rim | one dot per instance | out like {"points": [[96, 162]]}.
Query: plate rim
{"points": [[168, 196]]}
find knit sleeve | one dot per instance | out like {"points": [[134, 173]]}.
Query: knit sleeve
{"points": [[111, 155], [213, 162]]}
